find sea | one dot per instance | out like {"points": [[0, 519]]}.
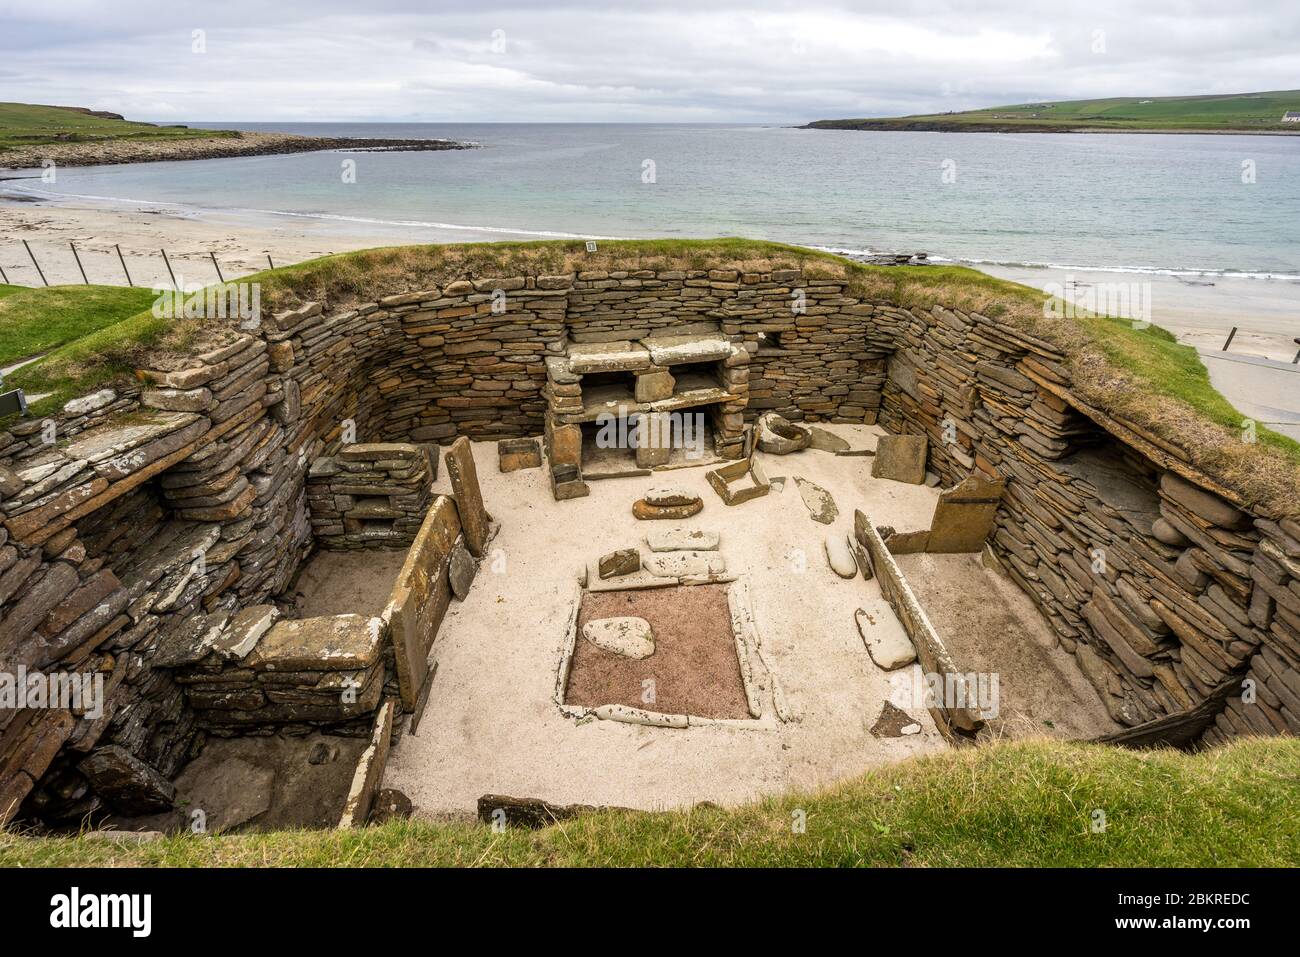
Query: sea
{"points": [[1183, 205]]}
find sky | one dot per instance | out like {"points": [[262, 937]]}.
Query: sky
{"points": [[759, 61]]}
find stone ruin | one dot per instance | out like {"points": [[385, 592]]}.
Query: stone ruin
{"points": [[152, 530]]}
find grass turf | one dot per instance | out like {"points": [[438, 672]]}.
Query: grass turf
{"points": [[1141, 375], [1242, 112], [1022, 803], [35, 320]]}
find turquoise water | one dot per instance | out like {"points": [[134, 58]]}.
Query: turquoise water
{"points": [[1114, 201]]}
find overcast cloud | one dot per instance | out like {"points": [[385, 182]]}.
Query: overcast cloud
{"points": [[704, 60]]}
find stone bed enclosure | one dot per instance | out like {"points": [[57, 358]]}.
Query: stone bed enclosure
{"points": [[149, 529]]}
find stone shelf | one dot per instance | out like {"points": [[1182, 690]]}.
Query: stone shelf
{"points": [[618, 400]]}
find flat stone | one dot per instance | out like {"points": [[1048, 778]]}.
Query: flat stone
{"points": [[90, 403], [331, 643], [666, 496], [587, 357], [779, 436], [684, 564], [474, 517], [625, 561], [820, 504], [825, 441], [244, 631], [113, 439], [1200, 503], [840, 556], [679, 539], [461, 569], [900, 458], [887, 643], [963, 517], [629, 637], [191, 642], [129, 785], [647, 512], [675, 350], [1166, 533]]}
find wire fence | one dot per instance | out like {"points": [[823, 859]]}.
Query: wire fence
{"points": [[35, 263]]}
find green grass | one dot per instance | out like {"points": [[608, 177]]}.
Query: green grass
{"points": [[25, 124], [1007, 804], [1240, 112], [1140, 375], [35, 320]]}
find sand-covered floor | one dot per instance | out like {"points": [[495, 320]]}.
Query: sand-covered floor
{"points": [[492, 725], [991, 626]]}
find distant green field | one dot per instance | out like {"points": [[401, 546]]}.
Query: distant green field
{"points": [[22, 124], [1237, 112]]}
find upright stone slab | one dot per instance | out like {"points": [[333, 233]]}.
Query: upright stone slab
{"points": [[963, 517], [474, 518], [901, 458], [420, 597]]}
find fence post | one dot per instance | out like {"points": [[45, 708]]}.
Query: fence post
{"points": [[169, 269], [3, 278], [217, 266], [1232, 335], [39, 270], [269, 263], [79, 266], [122, 260]]}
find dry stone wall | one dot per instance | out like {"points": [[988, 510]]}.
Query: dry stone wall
{"points": [[140, 508]]}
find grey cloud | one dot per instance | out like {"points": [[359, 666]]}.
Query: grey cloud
{"points": [[757, 61]]}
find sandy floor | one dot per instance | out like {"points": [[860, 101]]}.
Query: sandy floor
{"points": [[342, 582], [990, 625], [492, 724]]}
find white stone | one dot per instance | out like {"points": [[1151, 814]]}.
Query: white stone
{"points": [[840, 555], [910, 729], [883, 634], [665, 495], [90, 403], [681, 539], [684, 564], [628, 636]]}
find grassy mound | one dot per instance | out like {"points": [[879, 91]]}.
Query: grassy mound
{"points": [[35, 320], [1024, 803], [1142, 375], [27, 124], [1240, 112]]}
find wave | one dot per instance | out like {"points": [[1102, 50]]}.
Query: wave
{"points": [[1176, 272], [329, 217], [1180, 272]]}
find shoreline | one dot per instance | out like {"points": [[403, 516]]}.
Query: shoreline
{"points": [[1201, 313], [242, 143], [929, 126]]}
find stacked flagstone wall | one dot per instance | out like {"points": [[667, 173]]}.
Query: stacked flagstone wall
{"points": [[140, 508]]}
